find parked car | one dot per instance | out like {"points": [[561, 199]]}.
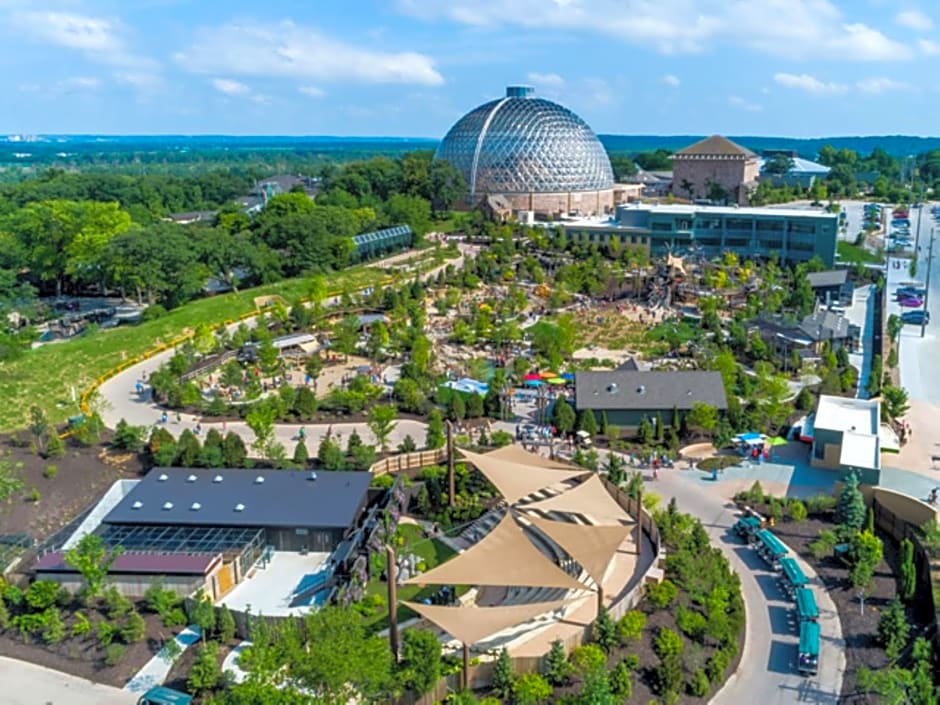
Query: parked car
{"points": [[910, 301], [902, 291], [916, 318]]}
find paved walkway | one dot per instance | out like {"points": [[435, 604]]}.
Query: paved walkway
{"points": [[23, 683], [230, 664], [158, 668]]}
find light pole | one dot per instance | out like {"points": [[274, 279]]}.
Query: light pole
{"points": [[923, 321]]}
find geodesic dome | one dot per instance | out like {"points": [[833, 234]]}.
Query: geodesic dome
{"points": [[521, 144]]}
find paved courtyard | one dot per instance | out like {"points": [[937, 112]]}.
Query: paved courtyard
{"points": [[268, 590]]}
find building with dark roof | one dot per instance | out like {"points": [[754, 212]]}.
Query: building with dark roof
{"points": [[296, 510], [627, 397], [807, 337], [832, 286], [715, 169]]}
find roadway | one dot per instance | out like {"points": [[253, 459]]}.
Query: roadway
{"points": [[26, 683]]}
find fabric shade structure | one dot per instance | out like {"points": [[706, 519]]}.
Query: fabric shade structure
{"points": [[472, 624], [517, 480], [515, 454], [591, 546], [590, 498], [504, 557]]}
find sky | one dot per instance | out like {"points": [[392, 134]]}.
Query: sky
{"points": [[800, 68]]}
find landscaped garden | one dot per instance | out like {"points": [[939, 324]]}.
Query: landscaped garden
{"points": [[884, 611]]}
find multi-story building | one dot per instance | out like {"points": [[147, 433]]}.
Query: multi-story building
{"points": [[715, 169], [795, 235]]}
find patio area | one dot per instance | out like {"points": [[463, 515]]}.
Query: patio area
{"points": [[269, 590]]}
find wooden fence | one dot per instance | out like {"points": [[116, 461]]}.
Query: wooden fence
{"points": [[409, 463]]}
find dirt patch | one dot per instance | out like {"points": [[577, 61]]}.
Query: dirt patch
{"points": [[83, 656], [858, 627], [79, 479]]}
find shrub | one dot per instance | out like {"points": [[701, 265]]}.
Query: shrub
{"points": [[587, 657], [621, 681], [503, 677], [81, 627], [797, 510], [717, 664], [134, 628], [159, 599], [116, 604], [114, 654], [226, 624], [500, 438], [632, 661], [776, 509], [34, 495], [530, 688], [556, 667], [631, 625], [661, 594], [176, 617], [756, 495], [206, 672], [893, 630], [50, 472], [691, 623], [4, 616], [699, 684], [824, 544], [106, 633], [605, 631], [41, 595], [668, 647], [820, 503], [54, 630]]}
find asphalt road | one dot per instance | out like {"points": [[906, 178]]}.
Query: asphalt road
{"points": [[28, 684]]}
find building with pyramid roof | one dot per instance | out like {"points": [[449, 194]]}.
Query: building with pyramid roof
{"points": [[715, 169]]}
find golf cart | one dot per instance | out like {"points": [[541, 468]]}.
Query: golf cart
{"points": [[160, 695]]}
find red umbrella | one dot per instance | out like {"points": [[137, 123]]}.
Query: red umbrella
{"points": [[528, 378]]}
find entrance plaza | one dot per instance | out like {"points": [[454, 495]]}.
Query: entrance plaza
{"points": [[543, 561]]}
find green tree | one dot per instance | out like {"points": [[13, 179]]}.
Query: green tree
{"points": [[556, 668], [261, 422], [92, 560], [127, 437], [668, 647], [435, 431], [644, 432], [202, 613], [305, 403], [206, 672], [563, 416], [865, 552], [503, 677], [621, 681], [605, 631], [226, 625], [587, 422], [894, 402], [382, 421], [301, 455], [39, 427], [346, 336], [456, 407], [604, 425], [850, 509], [187, 449], [595, 690], [234, 453], [702, 417], [586, 658], [420, 666], [330, 455], [631, 626], [907, 573], [893, 630], [895, 325]]}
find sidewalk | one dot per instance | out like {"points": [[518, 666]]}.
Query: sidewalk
{"points": [[26, 683], [158, 668]]}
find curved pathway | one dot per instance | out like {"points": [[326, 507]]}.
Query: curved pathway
{"points": [[26, 683], [767, 671]]}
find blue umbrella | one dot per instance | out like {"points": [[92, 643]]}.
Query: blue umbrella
{"points": [[567, 375], [533, 383]]}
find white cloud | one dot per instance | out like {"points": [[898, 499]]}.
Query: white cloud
{"points": [[881, 85], [739, 102], [914, 19], [671, 80], [101, 40], [548, 80], [928, 47], [312, 91], [230, 87], [82, 82], [810, 84], [803, 29], [288, 49]]}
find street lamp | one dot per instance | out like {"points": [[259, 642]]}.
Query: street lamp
{"points": [[923, 321]]}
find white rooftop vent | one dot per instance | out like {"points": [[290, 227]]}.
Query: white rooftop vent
{"points": [[239, 507], [191, 478], [168, 505], [641, 389], [137, 505], [195, 506], [259, 480], [217, 478], [313, 475], [612, 387], [163, 477]]}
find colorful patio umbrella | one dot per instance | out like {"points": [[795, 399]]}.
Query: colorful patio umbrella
{"points": [[534, 383], [568, 375], [531, 377], [556, 380], [549, 375]]}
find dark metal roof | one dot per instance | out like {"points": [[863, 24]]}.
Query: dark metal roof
{"points": [[156, 563], [282, 498], [648, 390], [825, 325], [830, 277]]}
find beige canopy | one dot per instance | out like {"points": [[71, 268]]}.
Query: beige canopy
{"points": [[591, 546], [517, 480], [505, 556], [590, 499], [515, 454], [472, 624]]}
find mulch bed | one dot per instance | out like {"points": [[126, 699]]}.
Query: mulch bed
{"points": [[82, 475], [858, 628], [82, 656]]}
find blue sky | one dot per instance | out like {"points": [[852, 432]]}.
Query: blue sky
{"points": [[412, 67]]}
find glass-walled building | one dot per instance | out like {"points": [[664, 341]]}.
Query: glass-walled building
{"points": [[795, 235]]}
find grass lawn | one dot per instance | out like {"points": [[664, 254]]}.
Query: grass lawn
{"points": [[432, 552], [46, 376], [848, 252], [613, 332]]}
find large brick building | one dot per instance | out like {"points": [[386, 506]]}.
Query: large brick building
{"points": [[715, 169]]}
